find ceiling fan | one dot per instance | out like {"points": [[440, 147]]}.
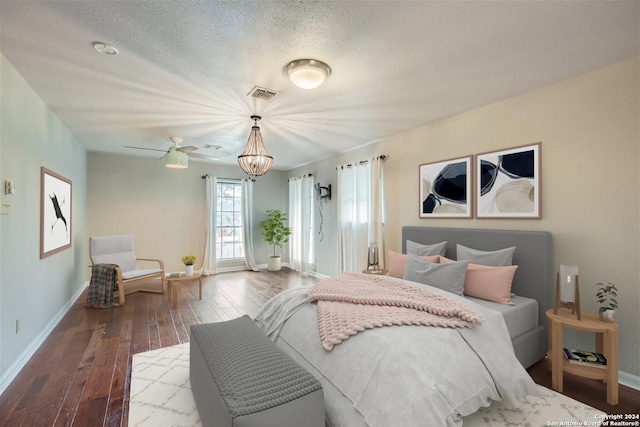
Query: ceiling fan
{"points": [[188, 150]]}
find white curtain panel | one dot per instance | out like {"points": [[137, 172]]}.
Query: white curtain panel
{"points": [[301, 193], [247, 224], [360, 213], [209, 258], [354, 200]]}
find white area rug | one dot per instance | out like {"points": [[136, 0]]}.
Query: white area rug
{"points": [[161, 397], [160, 389]]}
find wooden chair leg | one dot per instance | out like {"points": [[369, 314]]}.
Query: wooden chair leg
{"points": [[121, 295], [120, 286]]}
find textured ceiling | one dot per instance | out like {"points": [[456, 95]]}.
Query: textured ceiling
{"points": [[185, 67]]}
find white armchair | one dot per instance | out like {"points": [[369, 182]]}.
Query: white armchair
{"points": [[119, 250]]}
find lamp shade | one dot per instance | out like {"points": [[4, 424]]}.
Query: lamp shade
{"points": [[568, 274], [307, 73], [176, 159], [255, 160]]}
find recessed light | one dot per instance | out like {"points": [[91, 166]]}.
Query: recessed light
{"points": [[106, 49]]}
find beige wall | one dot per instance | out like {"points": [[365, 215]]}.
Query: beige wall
{"points": [[165, 208], [589, 129]]}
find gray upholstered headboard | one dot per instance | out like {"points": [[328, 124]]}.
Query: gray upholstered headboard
{"points": [[534, 277]]}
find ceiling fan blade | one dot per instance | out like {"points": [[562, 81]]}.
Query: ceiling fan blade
{"points": [[187, 149], [143, 148], [203, 156]]}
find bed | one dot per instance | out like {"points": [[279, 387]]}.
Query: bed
{"points": [[533, 281], [416, 376]]}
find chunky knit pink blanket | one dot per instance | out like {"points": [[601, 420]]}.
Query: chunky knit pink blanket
{"points": [[353, 302]]}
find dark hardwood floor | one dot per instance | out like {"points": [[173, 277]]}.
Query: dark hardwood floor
{"points": [[80, 375], [591, 392]]}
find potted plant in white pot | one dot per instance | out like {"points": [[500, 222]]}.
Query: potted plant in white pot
{"points": [[607, 295], [188, 261], [276, 233]]}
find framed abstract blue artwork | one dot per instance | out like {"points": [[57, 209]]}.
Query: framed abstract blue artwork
{"points": [[507, 184], [445, 188]]}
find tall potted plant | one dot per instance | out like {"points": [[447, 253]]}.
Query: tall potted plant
{"points": [[276, 233]]}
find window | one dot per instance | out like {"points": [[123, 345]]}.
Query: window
{"points": [[229, 220]]}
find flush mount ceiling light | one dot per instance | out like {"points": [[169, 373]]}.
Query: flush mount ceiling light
{"points": [[106, 49], [307, 73], [255, 160]]}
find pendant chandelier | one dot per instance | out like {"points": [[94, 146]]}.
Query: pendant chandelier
{"points": [[255, 160]]}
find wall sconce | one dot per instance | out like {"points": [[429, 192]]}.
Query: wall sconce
{"points": [[567, 290]]}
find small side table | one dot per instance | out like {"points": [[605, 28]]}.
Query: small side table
{"points": [[382, 272], [606, 343], [174, 282]]}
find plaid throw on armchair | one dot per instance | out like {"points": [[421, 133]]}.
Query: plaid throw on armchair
{"points": [[103, 283]]}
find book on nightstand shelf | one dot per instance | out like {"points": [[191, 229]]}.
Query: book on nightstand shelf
{"points": [[173, 275], [583, 357]]}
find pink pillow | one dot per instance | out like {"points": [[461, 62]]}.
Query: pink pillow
{"points": [[397, 262], [487, 282]]}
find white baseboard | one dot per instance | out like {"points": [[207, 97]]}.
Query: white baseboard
{"points": [[310, 273], [629, 380], [12, 372], [230, 269], [282, 264], [317, 275], [264, 267]]}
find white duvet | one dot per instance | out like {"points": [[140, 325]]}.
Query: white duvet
{"points": [[409, 376]]}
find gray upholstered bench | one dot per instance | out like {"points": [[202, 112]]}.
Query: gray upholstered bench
{"points": [[240, 378]]}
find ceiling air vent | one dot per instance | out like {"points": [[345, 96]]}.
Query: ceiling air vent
{"points": [[212, 147], [263, 93]]}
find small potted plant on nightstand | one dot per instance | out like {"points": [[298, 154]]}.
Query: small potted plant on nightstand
{"points": [[188, 261], [606, 295], [276, 233]]}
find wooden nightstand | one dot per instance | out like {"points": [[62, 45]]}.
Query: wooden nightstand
{"points": [[606, 343]]}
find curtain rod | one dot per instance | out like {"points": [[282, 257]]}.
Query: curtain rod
{"points": [[362, 162], [308, 175], [205, 176]]}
